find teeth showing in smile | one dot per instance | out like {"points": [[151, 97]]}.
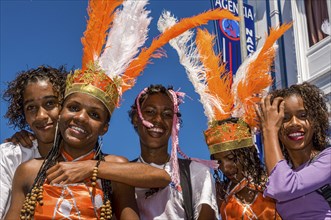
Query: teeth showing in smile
{"points": [[157, 130], [78, 129], [296, 134]]}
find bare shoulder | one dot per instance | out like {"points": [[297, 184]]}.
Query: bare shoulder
{"points": [[29, 168], [115, 158], [33, 164], [26, 173]]}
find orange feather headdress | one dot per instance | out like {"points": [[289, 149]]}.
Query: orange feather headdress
{"points": [[228, 106], [111, 62], [111, 41]]}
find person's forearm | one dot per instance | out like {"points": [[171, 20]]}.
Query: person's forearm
{"points": [[134, 174], [272, 151]]}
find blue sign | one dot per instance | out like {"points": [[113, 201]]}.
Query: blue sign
{"points": [[229, 34]]}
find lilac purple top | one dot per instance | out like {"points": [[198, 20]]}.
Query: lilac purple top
{"points": [[295, 190]]}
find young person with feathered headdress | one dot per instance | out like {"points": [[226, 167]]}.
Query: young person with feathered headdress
{"points": [[229, 102]]}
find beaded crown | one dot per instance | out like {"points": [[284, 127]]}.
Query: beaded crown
{"points": [[228, 135], [95, 83]]}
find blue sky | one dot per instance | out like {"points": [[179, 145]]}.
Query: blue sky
{"points": [[48, 32]]}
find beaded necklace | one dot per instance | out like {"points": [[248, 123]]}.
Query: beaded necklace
{"points": [[152, 191]]}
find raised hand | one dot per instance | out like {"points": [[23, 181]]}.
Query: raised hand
{"points": [[271, 117], [271, 114]]}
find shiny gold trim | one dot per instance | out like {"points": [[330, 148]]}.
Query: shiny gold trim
{"points": [[230, 145], [93, 91]]}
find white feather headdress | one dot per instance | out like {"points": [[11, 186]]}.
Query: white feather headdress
{"points": [[221, 99], [111, 41], [203, 68]]}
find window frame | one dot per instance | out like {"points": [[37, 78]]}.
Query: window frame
{"points": [[313, 63]]}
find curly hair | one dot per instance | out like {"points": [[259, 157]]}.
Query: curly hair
{"points": [[252, 165], [15, 91], [152, 89], [314, 102]]}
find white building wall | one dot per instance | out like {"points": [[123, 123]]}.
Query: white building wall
{"points": [[303, 63], [261, 29]]}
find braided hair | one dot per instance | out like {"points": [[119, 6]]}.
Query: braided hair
{"points": [[314, 101], [15, 91], [252, 167], [175, 98], [35, 194]]}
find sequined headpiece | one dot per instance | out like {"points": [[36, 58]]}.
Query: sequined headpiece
{"points": [[225, 97], [95, 83], [229, 134]]}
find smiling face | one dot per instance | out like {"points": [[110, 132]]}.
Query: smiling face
{"points": [[297, 132], [229, 165], [157, 109], [41, 110], [83, 119]]}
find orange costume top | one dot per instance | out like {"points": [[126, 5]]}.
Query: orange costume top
{"points": [[71, 201], [260, 208]]}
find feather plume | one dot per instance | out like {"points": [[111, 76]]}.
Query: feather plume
{"points": [[189, 58], [253, 77], [128, 34], [138, 65], [218, 79], [101, 14]]}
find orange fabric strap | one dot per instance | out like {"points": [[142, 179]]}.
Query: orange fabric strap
{"points": [[71, 201]]}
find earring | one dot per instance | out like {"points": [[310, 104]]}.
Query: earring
{"points": [[98, 148], [56, 136]]}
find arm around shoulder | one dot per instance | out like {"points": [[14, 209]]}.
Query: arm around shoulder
{"points": [[134, 174]]}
